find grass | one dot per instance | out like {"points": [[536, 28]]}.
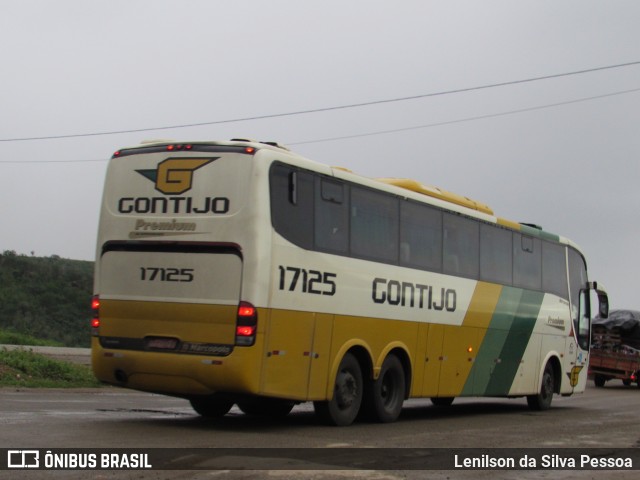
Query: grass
{"points": [[8, 337], [24, 368]]}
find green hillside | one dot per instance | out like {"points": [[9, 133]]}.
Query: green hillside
{"points": [[46, 297]]}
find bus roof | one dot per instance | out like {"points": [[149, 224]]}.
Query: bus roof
{"points": [[409, 187]]}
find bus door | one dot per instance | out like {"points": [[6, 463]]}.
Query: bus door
{"points": [[577, 343]]}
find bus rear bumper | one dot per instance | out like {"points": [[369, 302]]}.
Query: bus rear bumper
{"points": [[176, 374]]}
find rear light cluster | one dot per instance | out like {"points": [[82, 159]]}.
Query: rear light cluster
{"points": [[179, 147], [186, 147], [246, 324], [171, 148], [95, 320]]}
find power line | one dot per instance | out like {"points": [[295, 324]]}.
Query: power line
{"points": [[324, 109], [96, 160], [397, 130], [467, 119]]}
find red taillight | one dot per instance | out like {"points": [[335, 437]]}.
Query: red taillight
{"points": [[95, 307], [246, 324], [171, 148], [246, 310], [245, 331], [249, 150]]}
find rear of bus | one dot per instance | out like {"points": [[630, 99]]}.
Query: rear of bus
{"points": [[175, 310]]}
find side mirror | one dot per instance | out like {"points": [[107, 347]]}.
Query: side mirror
{"points": [[604, 305], [603, 299]]}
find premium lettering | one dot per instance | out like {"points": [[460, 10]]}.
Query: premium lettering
{"points": [[171, 226]]}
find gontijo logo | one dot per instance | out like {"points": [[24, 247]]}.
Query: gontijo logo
{"points": [[174, 176]]}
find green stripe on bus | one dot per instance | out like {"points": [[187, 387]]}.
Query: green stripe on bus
{"points": [[515, 343], [504, 344], [493, 341]]}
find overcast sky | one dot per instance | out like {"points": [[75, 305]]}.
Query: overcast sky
{"points": [[562, 152]]}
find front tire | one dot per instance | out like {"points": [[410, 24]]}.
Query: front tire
{"points": [[542, 401], [344, 406], [442, 401]]}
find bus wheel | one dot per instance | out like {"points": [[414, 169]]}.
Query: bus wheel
{"points": [[343, 408], [442, 401], [267, 407], [211, 407], [542, 401], [599, 381], [387, 392], [626, 382]]}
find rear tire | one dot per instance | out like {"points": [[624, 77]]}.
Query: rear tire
{"points": [[599, 381], [211, 407], [542, 401], [344, 406], [386, 395], [266, 407]]}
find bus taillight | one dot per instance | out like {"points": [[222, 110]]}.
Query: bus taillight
{"points": [[95, 321], [246, 324], [171, 148]]}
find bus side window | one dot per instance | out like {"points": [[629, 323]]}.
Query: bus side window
{"points": [[496, 262], [374, 225], [420, 236], [331, 216], [292, 204], [554, 269], [461, 246], [527, 262]]}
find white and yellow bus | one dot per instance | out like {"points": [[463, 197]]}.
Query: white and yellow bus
{"points": [[241, 273]]}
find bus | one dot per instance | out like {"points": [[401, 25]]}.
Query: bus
{"points": [[240, 273]]}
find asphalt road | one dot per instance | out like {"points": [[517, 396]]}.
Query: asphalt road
{"points": [[114, 418]]}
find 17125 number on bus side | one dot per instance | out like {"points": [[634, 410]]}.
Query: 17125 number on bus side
{"points": [[307, 281]]}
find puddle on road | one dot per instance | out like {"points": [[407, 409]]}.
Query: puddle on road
{"points": [[144, 410]]}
